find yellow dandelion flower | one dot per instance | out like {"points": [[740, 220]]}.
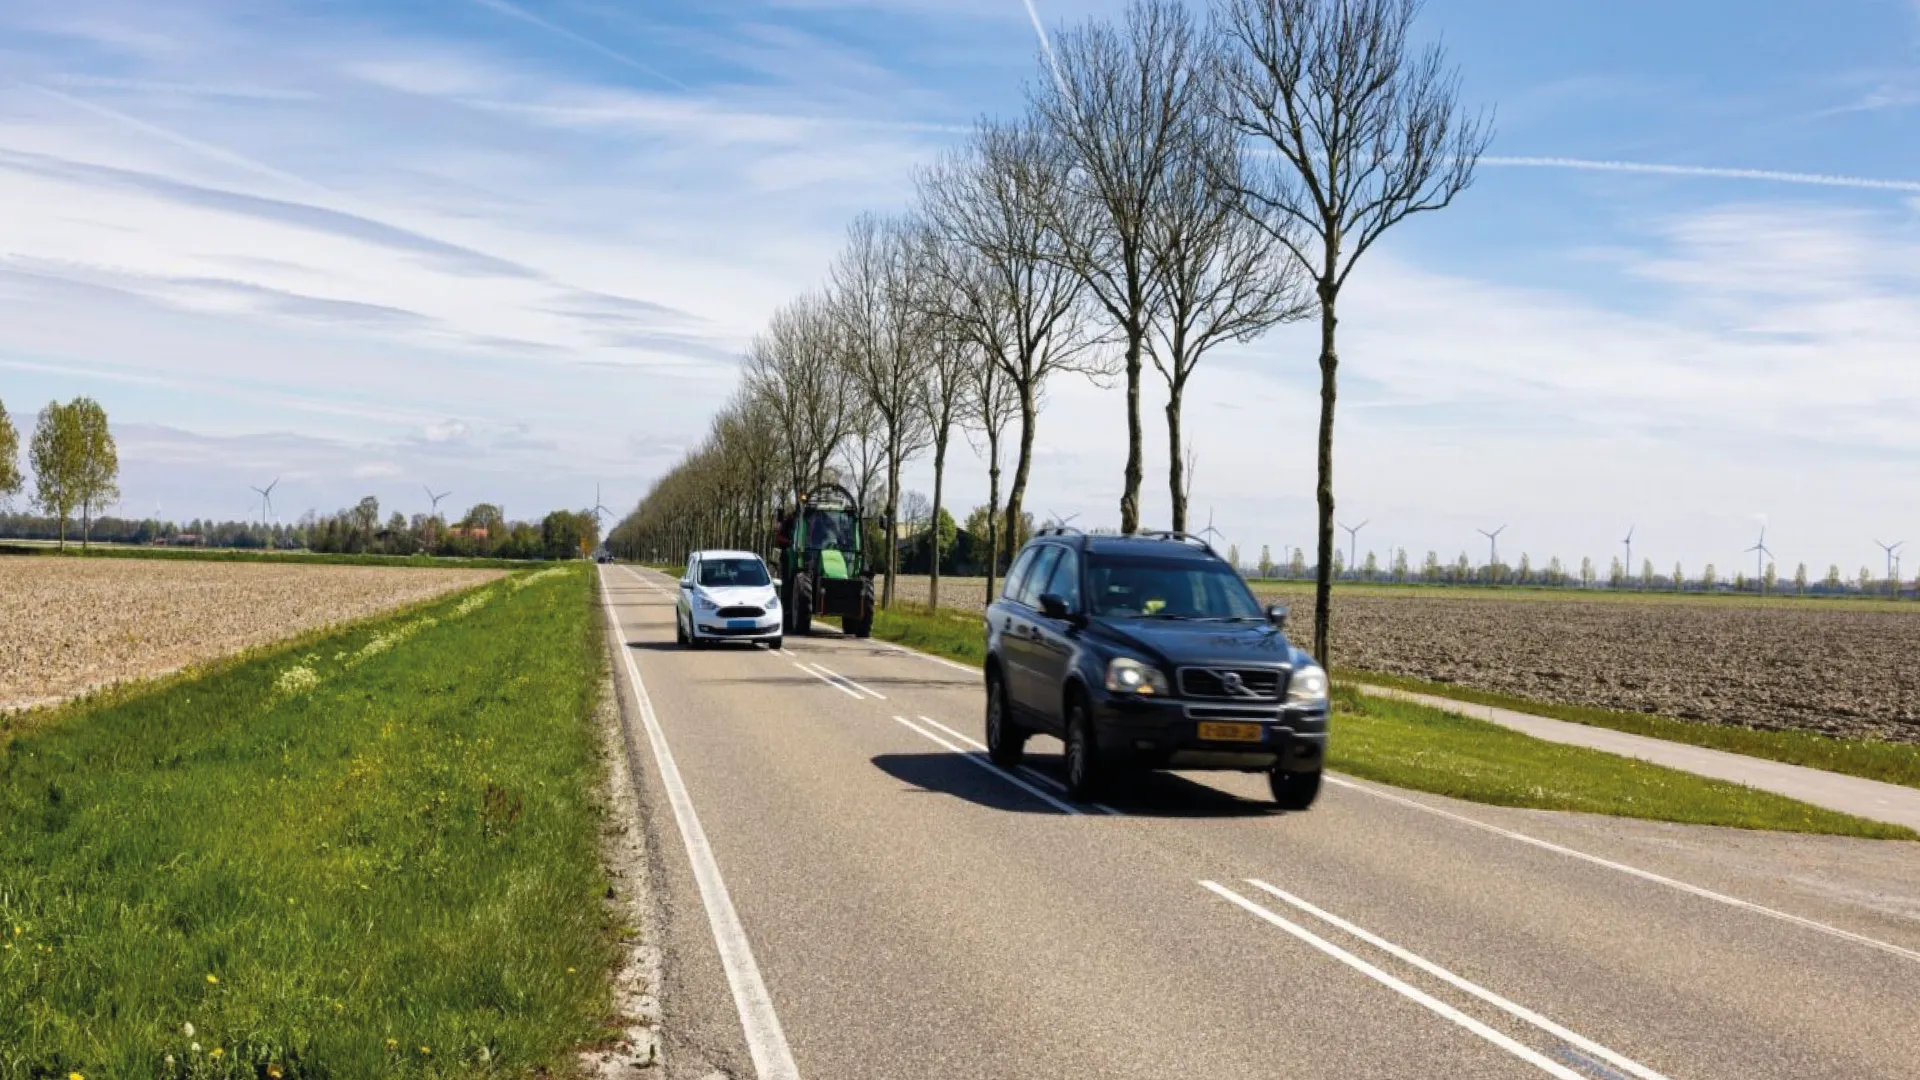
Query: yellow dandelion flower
{"points": [[75, 1076], [215, 979], [569, 971], [218, 1052], [393, 1044], [274, 1072], [426, 1051]]}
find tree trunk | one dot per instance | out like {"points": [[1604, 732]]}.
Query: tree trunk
{"points": [[1177, 470], [891, 528], [1130, 497], [939, 476], [86, 526], [1323, 575], [63, 530], [1028, 420], [993, 509]]}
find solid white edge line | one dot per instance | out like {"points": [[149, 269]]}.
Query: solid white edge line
{"points": [[1645, 875], [982, 762], [829, 680], [1400, 986], [1027, 769], [766, 1040], [1511, 1008]]}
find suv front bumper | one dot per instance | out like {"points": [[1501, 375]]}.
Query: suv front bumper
{"points": [[1166, 734], [709, 625]]}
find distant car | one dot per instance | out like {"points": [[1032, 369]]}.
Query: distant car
{"points": [[1149, 651], [727, 596]]}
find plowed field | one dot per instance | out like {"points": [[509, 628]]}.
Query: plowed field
{"points": [[72, 625], [1840, 669]]}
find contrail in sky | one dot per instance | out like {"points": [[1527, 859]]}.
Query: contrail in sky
{"points": [[1046, 46], [514, 11], [1705, 172]]}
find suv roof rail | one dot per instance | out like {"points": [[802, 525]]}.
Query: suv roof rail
{"points": [[1058, 530], [1178, 537]]}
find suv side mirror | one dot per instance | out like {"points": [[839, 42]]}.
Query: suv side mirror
{"points": [[1052, 606], [775, 582], [1277, 615]]}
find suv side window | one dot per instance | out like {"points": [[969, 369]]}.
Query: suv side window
{"points": [[1017, 576], [693, 569], [1035, 582], [1065, 582]]}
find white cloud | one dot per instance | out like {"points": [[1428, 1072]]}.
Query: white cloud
{"points": [[376, 470]]}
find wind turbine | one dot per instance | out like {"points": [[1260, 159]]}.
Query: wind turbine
{"points": [[1761, 552], [1629, 542], [1353, 544], [435, 498], [266, 500], [1212, 534], [1893, 580], [1493, 549]]}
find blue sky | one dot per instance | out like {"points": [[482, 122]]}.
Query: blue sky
{"points": [[511, 249]]}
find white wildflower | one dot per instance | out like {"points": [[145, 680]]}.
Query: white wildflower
{"points": [[296, 680]]}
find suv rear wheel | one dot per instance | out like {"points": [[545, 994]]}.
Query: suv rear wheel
{"points": [[1086, 772], [1294, 790], [1006, 739]]}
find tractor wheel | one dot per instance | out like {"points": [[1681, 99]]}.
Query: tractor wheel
{"points": [[802, 609], [861, 628]]}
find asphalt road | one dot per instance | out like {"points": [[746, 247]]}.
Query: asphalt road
{"points": [[848, 889]]}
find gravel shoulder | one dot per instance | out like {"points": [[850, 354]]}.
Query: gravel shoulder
{"points": [[70, 626]]}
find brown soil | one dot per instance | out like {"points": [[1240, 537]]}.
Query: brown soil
{"points": [[1851, 673], [68, 626]]}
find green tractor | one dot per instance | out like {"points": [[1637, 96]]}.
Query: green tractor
{"points": [[823, 569]]}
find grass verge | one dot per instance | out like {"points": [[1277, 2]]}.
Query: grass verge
{"points": [[1894, 763], [1415, 746], [1426, 749], [372, 854]]}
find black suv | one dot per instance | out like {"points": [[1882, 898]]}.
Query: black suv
{"points": [[1149, 651]]}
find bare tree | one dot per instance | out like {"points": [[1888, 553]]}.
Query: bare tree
{"points": [[1364, 132], [793, 370], [995, 400], [1123, 102], [1012, 295], [946, 382], [875, 282], [1224, 276]]}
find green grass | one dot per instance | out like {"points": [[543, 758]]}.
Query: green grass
{"points": [[135, 551], [392, 871], [1414, 746], [1425, 749], [1894, 763]]}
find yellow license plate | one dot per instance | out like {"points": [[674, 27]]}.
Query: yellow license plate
{"points": [[1230, 732]]}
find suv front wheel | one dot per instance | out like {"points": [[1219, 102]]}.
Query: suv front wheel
{"points": [[1294, 790], [1086, 772], [1006, 739]]}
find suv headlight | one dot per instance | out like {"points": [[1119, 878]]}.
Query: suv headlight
{"points": [[1125, 675], [773, 602], [1307, 687], [705, 602]]}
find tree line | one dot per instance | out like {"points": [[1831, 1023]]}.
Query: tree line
{"points": [[1173, 184], [76, 468]]}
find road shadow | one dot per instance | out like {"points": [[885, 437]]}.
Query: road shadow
{"points": [[1141, 794], [674, 646]]}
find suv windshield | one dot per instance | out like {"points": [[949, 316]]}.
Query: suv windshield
{"points": [[1143, 586], [732, 573]]}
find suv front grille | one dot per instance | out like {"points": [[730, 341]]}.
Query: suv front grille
{"points": [[740, 612], [1231, 684]]}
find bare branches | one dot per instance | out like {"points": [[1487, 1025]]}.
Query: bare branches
{"points": [[1123, 110], [1360, 132]]}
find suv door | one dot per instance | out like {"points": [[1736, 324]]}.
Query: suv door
{"points": [[1019, 647], [1053, 640]]}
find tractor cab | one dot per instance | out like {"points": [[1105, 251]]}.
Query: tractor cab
{"points": [[822, 566]]}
